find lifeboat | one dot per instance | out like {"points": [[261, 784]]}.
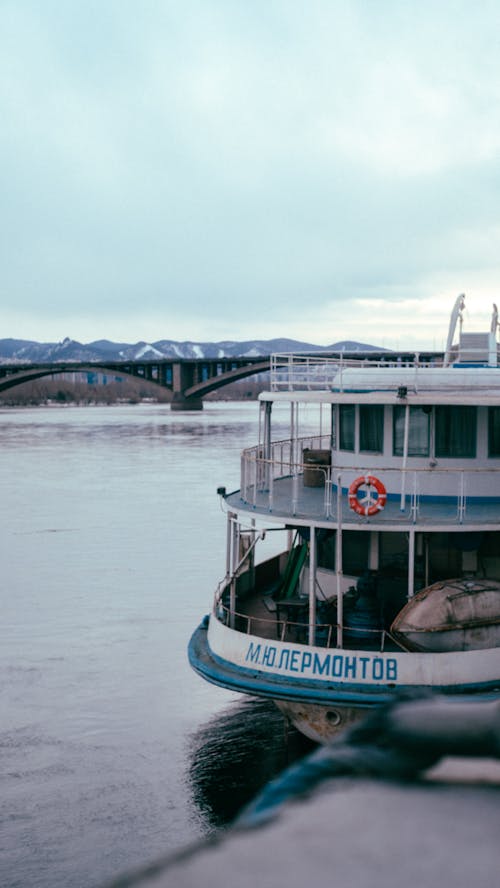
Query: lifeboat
{"points": [[452, 615]]}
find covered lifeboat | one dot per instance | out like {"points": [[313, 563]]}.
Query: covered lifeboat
{"points": [[451, 615]]}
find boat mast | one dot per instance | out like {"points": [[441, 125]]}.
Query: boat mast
{"points": [[456, 315]]}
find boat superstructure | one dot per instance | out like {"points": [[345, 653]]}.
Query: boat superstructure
{"points": [[386, 484]]}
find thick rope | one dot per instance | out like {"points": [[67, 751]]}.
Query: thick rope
{"points": [[396, 742]]}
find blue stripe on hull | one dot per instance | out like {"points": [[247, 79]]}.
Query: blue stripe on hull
{"points": [[237, 678]]}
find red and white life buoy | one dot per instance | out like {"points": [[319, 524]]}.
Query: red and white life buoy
{"points": [[373, 500]]}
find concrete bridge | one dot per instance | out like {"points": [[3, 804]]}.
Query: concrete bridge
{"points": [[189, 380]]}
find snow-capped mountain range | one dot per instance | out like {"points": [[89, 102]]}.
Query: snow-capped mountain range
{"points": [[26, 351]]}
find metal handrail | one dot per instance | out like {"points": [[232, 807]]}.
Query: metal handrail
{"points": [[259, 475], [309, 372], [283, 626]]}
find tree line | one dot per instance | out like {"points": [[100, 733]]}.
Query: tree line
{"points": [[46, 391]]}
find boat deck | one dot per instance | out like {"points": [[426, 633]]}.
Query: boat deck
{"points": [[290, 498], [287, 620]]}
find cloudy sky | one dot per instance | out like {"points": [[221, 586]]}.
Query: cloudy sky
{"points": [[235, 169]]}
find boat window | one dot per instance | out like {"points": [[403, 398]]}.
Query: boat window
{"points": [[418, 432], [371, 428], [456, 431], [346, 423], [493, 431]]}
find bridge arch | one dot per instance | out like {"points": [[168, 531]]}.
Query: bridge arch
{"points": [[18, 377], [181, 378], [203, 388]]}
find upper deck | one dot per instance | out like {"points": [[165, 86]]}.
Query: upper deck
{"points": [[428, 379], [284, 487], [426, 425]]}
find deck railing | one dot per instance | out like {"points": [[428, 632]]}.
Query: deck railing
{"points": [[296, 372], [276, 484], [283, 629]]}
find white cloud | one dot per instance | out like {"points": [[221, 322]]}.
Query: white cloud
{"points": [[224, 164]]}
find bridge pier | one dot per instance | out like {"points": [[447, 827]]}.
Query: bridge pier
{"points": [[180, 402], [183, 377]]}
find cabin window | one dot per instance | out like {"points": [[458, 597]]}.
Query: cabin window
{"points": [[493, 431], [346, 423], [371, 428], [418, 431], [456, 431]]}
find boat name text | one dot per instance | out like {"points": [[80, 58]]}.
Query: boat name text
{"points": [[343, 666]]}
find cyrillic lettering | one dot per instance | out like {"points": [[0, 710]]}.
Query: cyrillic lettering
{"points": [[284, 656], [391, 670], [337, 664], [350, 667], [269, 655], [253, 652], [363, 661], [306, 661], [321, 666]]}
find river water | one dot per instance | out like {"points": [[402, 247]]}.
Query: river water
{"points": [[112, 540]]}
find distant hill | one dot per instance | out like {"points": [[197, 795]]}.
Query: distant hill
{"points": [[24, 350]]}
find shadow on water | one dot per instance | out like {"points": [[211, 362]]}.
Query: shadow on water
{"points": [[235, 754]]}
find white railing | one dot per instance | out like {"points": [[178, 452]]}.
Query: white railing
{"points": [[276, 484], [295, 372], [284, 629], [259, 473]]}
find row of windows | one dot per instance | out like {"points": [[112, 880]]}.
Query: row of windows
{"points": [[454, 430]]}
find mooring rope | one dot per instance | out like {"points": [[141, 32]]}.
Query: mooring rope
{"points": [[396, 742]]}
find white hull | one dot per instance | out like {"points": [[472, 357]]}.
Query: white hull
{"points": [[353, 671]]}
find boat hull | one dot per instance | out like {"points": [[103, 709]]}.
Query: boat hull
{"points": [[319, 723], [320, 689]]}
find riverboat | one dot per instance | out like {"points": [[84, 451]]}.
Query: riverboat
{"points": [[363, 547]]}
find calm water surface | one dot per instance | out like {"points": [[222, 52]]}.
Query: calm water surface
{"points": [[112, 540]]}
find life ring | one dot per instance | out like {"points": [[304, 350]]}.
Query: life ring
{"points": [[374, 499]]}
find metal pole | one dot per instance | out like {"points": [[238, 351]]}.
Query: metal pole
{"points": [[267, 443], [411, 564], [296, 435], [312, 586], [234, 562], [405, 456], [338, 565], [230, 516], [267, 430]]}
